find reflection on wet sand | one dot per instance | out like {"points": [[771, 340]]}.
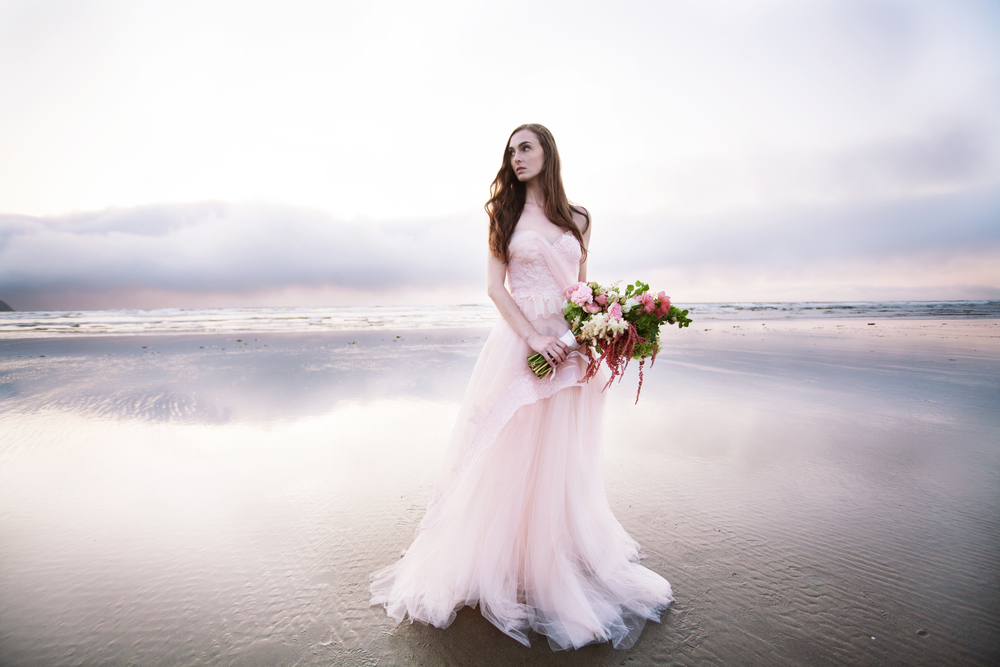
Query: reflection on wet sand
{"points": [[813, 494]]}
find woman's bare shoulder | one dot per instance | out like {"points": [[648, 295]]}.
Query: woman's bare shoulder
{"points": [[581, 217]]}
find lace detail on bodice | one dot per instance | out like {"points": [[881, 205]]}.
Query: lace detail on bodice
{"points": [[532, 284]]}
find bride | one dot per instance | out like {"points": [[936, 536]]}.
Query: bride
{"points": [[519, 522]]}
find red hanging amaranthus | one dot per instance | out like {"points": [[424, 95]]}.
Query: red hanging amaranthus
{"points": [[617, 352]]}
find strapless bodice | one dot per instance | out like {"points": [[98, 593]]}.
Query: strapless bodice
{"points": [[536, 286]]}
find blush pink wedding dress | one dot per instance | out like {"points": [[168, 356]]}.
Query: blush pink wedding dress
{"points": [[519, 522]]}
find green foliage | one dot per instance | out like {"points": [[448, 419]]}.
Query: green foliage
{"points": [[678, 317]]}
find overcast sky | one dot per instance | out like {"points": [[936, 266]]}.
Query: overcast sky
{"points": [[294, 153]]}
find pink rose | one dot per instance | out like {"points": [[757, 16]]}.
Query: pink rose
{"points": [[582, 295], [664, 304], [648, 302], [592, 308], [615, 311], [601, 299], [572, 288]]}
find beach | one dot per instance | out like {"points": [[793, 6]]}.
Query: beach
{"points": [[817, 491]]}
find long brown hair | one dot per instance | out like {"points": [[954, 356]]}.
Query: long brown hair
{"points": [[507, 196]]}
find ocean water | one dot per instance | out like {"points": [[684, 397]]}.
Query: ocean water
{"points": [[361, 318]]}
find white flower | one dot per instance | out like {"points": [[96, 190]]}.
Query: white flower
{"points": [[601, 328], [629, 305], [594, 328]]}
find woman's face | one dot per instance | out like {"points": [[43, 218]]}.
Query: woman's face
{"points": [[526, 155]]}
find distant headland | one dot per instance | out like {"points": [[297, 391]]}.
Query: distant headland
{"points": [[4, 308]]}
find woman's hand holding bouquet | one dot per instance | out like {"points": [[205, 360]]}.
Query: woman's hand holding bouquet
{"points": [[614, 327]]}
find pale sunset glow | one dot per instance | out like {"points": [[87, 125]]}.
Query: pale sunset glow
{"points": [[297, 153]]}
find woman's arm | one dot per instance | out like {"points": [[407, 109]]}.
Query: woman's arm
{"points": [[549, 347], [584, 222]]}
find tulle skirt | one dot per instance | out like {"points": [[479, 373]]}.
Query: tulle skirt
{"points": [[520, 523]]}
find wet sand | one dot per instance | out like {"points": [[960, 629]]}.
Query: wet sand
{"points": [[816, 491]]}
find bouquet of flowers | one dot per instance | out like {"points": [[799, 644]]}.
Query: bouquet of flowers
{"points": [[614, 327]]}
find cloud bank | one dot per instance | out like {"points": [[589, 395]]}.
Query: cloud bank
{"points": [[219, 254], [936, 246]]}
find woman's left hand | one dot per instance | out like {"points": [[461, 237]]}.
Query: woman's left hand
{"points": [[550, 347]]}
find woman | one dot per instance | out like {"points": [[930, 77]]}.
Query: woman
{"points": [[519, 522]]}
